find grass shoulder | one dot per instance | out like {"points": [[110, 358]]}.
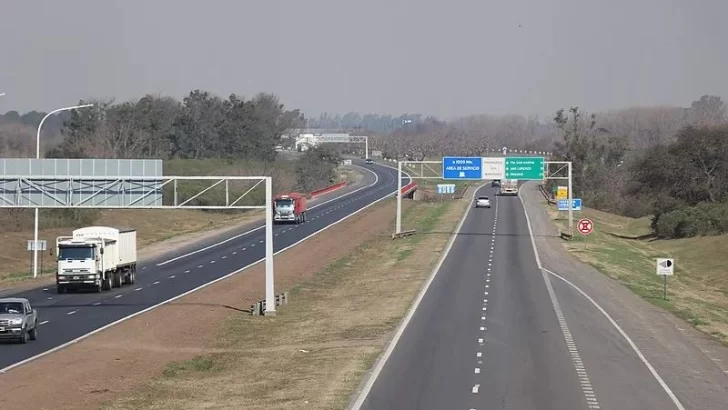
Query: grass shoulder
{"points": [[314, 353], [624, 249]]}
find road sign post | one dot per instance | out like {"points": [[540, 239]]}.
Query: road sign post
{"points": [[585, 227], [665, 267]]}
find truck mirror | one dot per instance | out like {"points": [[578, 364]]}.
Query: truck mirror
{"points": [[101, 251]]}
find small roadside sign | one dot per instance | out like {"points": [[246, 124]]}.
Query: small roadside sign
{"points": [[665, 266], [41, 245], [562, 192], [445, 188], [563, 204], [585, 226]]}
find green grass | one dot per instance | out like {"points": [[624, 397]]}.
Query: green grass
{"points": [[624, 249]]}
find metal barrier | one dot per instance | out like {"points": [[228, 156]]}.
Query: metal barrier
{"points": [[258, 308], [327, 189], [403, 234]]}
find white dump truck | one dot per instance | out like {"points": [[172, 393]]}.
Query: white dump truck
{"points": [[509, 187], [96, 257]]}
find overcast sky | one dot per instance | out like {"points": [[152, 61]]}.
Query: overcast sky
{"points": [[445, 58]]}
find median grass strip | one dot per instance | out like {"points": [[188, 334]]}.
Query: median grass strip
{"points": [[314, 353], [624, 249]]}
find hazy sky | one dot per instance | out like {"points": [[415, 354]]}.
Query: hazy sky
{"points": [[437, 57]]}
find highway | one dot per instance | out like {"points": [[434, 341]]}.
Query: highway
{"points": [[68, 316], [489, 333]]}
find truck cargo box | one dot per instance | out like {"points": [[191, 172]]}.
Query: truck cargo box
{"points": [[124, 249]]}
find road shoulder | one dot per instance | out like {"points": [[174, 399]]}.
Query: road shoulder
{"points": [[693, 365]]}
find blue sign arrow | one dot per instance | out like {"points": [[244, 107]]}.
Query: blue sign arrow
{"points": [[462, 168]]}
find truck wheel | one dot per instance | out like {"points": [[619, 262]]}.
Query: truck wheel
{"points": [[107, 283], [24, 337], [34, 333], [118, 279], [132, 276]]}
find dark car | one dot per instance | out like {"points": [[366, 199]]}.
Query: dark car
{"points": [[369, 161]]}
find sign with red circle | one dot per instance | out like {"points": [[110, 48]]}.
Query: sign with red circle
{"points": [[585, 226]]}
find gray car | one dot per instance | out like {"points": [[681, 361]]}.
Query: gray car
{"points": [[18, 320]]}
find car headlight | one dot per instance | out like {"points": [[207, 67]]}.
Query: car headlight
{"points": [[16, 321], [92, 276], [62, 277]]}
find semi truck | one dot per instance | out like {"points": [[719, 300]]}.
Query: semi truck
{"points": [[96, 257], [289, 208], [509, 187]]}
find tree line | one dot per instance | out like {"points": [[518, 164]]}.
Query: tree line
{"points": [[675, 171]]}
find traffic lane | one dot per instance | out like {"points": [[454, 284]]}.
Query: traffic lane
{"points": [[80, 313], [316, 205], [223, 259], [46, 296], [384, 177], [433, 364], [620, 378], [526, 362]]}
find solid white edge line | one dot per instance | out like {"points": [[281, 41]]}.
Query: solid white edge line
{"points": [[133, 315], [626, 337], [410, 313], [232, 238]]}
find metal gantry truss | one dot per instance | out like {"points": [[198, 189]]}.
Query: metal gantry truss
{"points": [[133, 192], [346, 139], [136, 192]]}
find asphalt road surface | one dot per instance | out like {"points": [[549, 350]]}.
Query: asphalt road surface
{"points": [[487, 335], [68, 316]]}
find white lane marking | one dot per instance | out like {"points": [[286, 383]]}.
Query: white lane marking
{"points": [[232, 238], [199, 266], [260, 242], [252, 244], [72, 312], [223, 256], [49, 297], [477, 370], [45, 289], [212, 261], [629, 340], [118, 296], [187, 271], [95, 304], [171, 276], [480, 340], [43, 322], [482, 328], [476, 388], [235, 252], [212, 282], [244, 249], [144, 267], [137, 289], [479, 354], [155, 283]]}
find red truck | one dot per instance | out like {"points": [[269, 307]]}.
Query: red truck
{"points": [[289, 208]]}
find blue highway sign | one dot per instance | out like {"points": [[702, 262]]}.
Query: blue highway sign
{"points": [[575, 204], [462, 168]]}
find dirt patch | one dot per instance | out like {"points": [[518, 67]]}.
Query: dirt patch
{"points": [[112, 363], [314, 353]]}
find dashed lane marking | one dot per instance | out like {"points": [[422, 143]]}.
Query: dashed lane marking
{"points": [[43, 322], [72, 312]]}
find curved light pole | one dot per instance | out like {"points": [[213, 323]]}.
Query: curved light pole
{"points": [[37, 156]]}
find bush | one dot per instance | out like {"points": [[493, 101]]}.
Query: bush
{"points": [[702, 220]]}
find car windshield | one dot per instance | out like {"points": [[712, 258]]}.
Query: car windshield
{"points": [[483, 198], [11, 307], [78, 253]]}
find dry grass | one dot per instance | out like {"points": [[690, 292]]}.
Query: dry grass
{"points": [[622, 248], [315, 351]]}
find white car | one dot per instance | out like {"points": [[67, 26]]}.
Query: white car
{"points": [[482, 202]]}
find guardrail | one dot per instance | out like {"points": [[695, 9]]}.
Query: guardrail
{"points": [[328, 189], [258, 308], [564, 235], [409, 188], [403, 234]]}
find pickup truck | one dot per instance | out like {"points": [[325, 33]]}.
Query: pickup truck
{"points": [[18, 320]]}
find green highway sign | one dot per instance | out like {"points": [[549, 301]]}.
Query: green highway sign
{"points": [[524, 168]]}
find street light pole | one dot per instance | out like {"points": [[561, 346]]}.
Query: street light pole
{"points": [[37, 156]]}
